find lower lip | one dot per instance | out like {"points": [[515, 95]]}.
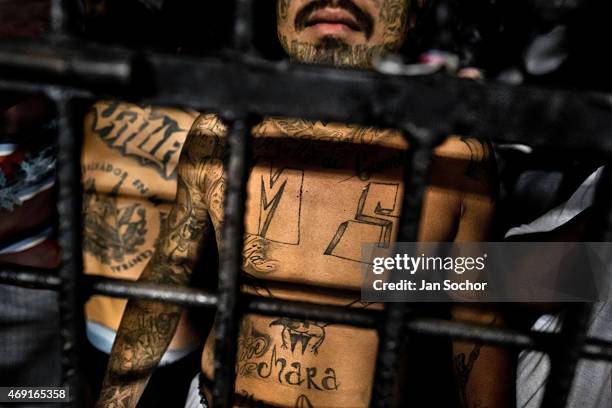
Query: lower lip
{"points": [[332, 28]]}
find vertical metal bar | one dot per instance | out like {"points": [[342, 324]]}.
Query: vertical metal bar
{"points": [[69, 204], [393, 333], [227, 318], [230, 260], [58, 18], [243, 26], [566, 356]]}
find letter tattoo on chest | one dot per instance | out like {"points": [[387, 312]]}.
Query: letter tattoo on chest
{"points": [[148, 135]]}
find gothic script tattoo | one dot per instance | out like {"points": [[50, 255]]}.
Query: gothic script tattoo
{"points": [[145, 133], [259, 358], [251, 344], [291, 373]]}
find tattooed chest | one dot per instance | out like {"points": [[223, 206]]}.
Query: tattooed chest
{"points": [[293, 214]]}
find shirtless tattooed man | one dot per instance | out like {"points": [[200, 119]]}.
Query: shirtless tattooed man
{"points": [[316, 192]]}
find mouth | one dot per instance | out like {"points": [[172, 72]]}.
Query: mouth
{"points": [[333, 19]]}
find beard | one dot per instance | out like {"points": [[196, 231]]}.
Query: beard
{"points": [[334, 51]]}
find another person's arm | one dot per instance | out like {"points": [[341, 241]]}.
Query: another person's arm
{"points": [[147, 327], [485, 375], [459, 207]]}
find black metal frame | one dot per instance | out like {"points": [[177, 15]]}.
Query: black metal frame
{"points": [[566, 120]]}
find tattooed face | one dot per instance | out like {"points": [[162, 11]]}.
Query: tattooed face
{"points": [[341, 32]]}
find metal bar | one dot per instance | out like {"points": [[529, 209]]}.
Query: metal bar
{"points": [[389, 346], [243, 26], [148, 291], [230, 262], [540, 117], [479, 107], [566, 356], [58, 17], [72, 323], [96, 68], [313, 312], [393, 334], [32, 280], [594, 348], [31, 87]]}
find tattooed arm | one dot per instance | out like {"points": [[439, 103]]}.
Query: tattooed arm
{"points": [[484, 374], [147, 327], [460, 206]]}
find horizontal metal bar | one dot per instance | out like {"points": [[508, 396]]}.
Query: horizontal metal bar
{"points": [[154, 292], [92, 67], [466, 331], [597, 349], [43, 279], [594, 348], [31, 87], [302, 310], [508, 114]]}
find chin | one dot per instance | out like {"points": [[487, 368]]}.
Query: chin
{"points": [[332, 40]]}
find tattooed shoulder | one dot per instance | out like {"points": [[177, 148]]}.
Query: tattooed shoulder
{"points": [[204, 145], [209, 123], [471, 158]]}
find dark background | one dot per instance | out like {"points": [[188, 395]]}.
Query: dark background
{"points": [[490, 34]]}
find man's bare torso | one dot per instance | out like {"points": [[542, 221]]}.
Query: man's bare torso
{"points": [[311, 204]]}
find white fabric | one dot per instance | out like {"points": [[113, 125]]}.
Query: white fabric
{"points": [[563, 213], [27, 243], [102, 338], [193, 397], [592, 387]]}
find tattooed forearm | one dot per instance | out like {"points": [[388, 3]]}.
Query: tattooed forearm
{"points": [[147, 328], [482, 372], [144, 335], [463, 368]]}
